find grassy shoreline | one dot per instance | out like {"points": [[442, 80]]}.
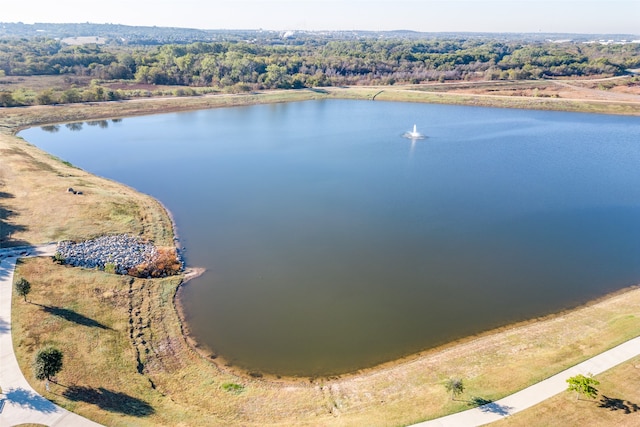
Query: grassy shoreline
{"points": [[14, 119], [158, 378]]}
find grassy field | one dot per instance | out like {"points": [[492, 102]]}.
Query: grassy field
{"points": [[127, 361], [35, 206], [132, 365], [618, 404]]}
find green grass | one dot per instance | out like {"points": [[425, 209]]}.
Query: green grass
{"points": [[233, 388]]}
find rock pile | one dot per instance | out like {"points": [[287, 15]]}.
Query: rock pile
{"points": [[122, 251]]}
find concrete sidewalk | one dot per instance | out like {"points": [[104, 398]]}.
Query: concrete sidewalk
{"points": [[19, 403], [536, 393]]}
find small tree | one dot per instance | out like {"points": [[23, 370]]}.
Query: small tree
{"points": [[583, 385], [23, 287], [47, 363], [454, 386]]}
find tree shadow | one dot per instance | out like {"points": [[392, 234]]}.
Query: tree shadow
{"points": [[72, 316], [490, 406], [109, 400], [4, 270], [4, 327], [7, 229], [618, 405], [30, 400]]}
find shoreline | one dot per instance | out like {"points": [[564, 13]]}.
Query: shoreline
{"points": [[15, 119], [192, 272], [220, 362], [223, 365], [399, 368]]}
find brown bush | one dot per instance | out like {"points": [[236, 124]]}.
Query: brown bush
{"points": [[166, 263]]}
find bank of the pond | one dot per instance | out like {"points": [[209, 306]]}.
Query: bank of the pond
{"points": [[14, 119], [178, 385], [141, 345]]}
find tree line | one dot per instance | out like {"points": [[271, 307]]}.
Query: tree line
{"points": [[239, 65]]}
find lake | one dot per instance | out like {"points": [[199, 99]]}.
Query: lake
{"points": [[332, 243]]}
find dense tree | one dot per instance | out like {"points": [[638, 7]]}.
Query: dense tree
{"points": [[305, 61], [277, 77], [47, 363]]}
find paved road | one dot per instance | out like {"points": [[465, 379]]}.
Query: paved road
{"points": [[538, 392], [19, 403]]}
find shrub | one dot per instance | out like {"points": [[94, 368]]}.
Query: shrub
{"points": [[46, 97], [233, 388], [6, 99], [58, 258], [110, 268], [166, 263]]}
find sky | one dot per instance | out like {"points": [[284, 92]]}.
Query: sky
{"points": [[559, 16]]}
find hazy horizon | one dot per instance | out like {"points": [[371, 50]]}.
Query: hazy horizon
{"points": [[293, 30], [475, 16]]}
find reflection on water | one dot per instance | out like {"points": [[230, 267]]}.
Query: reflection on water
{"points": [[329, 248], [50, 128], [76, 126], [103, 124]]}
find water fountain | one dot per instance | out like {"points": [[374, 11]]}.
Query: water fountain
{"points": [[414, 134]]}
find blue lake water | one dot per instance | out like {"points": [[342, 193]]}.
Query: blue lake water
{"points": [[332, 243]]}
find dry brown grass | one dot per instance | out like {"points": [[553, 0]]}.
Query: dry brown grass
{"points": [[129, 328], [607, 89], [128, 363], [40, 83], [35, 206], [516, 98]]}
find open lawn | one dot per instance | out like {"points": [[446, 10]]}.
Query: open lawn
{"points": [[127, 361], [618, 403]]}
